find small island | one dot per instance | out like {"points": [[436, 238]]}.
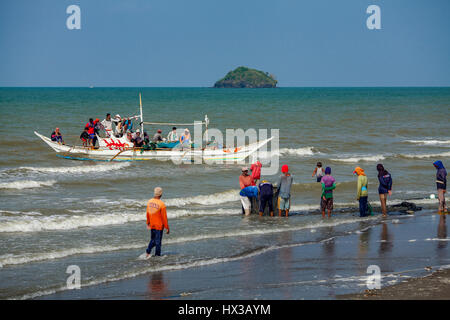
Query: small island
{"points": [[243, 77]]}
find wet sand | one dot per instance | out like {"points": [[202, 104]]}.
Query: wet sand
{"points": [[333, 266], [435, 286]]}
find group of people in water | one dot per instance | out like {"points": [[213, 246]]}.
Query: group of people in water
{"points": [[119, 127], [251, 188]]}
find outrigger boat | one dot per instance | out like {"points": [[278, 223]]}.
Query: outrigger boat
{"points": [[121, 149]]}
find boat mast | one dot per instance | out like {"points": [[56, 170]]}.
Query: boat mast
{"points": [[142, 118]]}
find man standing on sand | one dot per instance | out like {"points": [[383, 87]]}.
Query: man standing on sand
{"points": [[156, 221], [284, 189]]}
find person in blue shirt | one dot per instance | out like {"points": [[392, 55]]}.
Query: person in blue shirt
{"points": [[385, 187]]}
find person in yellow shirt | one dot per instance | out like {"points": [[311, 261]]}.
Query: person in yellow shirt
{"points": [[156, 222]]}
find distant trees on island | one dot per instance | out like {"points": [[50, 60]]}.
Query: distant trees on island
{"points": [[243, 77]]}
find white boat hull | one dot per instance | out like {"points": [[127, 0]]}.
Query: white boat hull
{"points": [[132, 154]]}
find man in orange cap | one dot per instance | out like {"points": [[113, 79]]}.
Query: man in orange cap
{"points": [[284, 190], [156, 221], [362, 193]]}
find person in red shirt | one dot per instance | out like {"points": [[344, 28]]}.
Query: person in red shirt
{"points": [[91, 130], [156, 222], [256, 172]]}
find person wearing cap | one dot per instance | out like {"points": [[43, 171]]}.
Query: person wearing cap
{"points": [[328, 185], [284, 190], [156, 222], [362, 193], [158, 136], [173, 136], [245, 180]]}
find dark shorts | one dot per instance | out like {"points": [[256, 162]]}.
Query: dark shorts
{"points": [[263, 201], [319, 179], [326, 204]]}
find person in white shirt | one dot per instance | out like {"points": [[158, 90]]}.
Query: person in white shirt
{"points": [[173, 136], [118, 122], [107, 124]]}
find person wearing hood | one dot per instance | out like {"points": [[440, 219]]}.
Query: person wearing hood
{"points": [[441, 184], [385, 187], [362, 193]]}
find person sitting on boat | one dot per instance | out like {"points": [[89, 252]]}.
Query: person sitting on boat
{"points": [[56, 136], [91, 130], [146, 138], [128, 125], [129, 137], [85, 137], [138, 142], [158, 136], [185, 139], [107, 124], [173, 136]]}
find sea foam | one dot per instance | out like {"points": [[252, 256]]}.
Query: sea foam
{"points": [[26, 184]]}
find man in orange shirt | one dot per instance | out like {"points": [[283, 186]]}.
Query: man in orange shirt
{"points": [[156, 221]]}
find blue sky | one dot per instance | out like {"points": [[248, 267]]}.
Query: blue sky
{"points": [[195, 42]]}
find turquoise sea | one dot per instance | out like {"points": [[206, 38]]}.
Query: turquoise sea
{"points": [[56, 212]]}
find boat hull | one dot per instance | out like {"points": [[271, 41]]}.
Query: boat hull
{"points": [[135, 154]]}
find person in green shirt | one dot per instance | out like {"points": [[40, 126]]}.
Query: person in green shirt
{"points": [[328, 185], [362, 193]]}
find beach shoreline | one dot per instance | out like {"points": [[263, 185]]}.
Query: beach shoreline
{"points": [[435, 286], [326, 268]]}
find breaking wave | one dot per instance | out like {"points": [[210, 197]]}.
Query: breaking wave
{"points": [[425, 156], [360, 159], [78, 169], [429, 142], [26, 184]]}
